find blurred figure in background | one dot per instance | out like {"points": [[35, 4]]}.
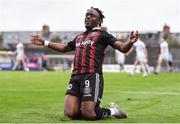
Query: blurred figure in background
{"points": [[46, 34], [164, 56], [20, 56], [55, 38], [141, 57], [45, 62], [103, 28], [120, 58], [170, 62]]}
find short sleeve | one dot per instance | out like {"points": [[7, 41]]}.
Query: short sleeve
{"points": [[72, 44], [109, 39]]}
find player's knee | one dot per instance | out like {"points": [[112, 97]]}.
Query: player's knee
{"points": [[69, 113], [88, 114]]}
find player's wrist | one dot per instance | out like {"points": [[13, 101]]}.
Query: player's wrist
{"points": [[46, 43], [130, 42]]}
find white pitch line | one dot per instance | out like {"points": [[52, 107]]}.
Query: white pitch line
{"points": [[147, 93], [27, 90], [123, 92]]}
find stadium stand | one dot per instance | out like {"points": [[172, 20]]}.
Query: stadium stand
{"points": [[151, 40]]}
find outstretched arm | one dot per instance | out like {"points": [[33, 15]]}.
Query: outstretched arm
{"points": [[129, 52], [125, 47], [37, 40]]}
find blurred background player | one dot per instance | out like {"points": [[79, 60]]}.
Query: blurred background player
{"points": [[103, 28], [120, 58], [46, 34], [170, 62], [164, 56], [141, 57], [20, 56]]}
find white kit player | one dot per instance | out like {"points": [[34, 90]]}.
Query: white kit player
{"points": [[141, 57], [163, 56], [20, 56], [120, 58]]}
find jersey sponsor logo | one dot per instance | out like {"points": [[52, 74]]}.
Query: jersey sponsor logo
{"points": [[87, 90], [85, 43]]}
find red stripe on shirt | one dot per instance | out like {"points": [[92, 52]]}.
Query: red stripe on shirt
{"points": [[83, 61], [77, 54], [92, 53]]}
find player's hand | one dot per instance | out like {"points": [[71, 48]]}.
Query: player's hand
{"points": [[36, 39], [134, 36]]}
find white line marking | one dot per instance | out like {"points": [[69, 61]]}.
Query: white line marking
{"points": [[147, 93], [27, 90], [107, 91]]}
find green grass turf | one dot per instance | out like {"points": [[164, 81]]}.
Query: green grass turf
{"points": [[38, 97]]}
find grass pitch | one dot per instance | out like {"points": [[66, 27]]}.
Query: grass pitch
{"points": [[38, 97]]}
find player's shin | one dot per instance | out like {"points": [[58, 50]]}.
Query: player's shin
{"points": [[102, 113]]}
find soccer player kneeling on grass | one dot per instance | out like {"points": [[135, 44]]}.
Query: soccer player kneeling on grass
{"points": [[85, 89]]}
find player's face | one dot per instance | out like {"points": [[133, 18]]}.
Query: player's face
{"points": [[91, 19], [45, 31]]}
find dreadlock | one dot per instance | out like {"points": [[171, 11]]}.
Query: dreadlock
{"points": [[100, 14]]}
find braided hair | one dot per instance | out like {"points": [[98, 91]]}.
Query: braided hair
{"points": [[100, 15]]}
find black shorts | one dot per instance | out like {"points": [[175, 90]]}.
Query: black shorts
{"points": [[87, 87]]}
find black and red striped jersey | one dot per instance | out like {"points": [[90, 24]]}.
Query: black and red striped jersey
{"points": [[89, 50]]}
